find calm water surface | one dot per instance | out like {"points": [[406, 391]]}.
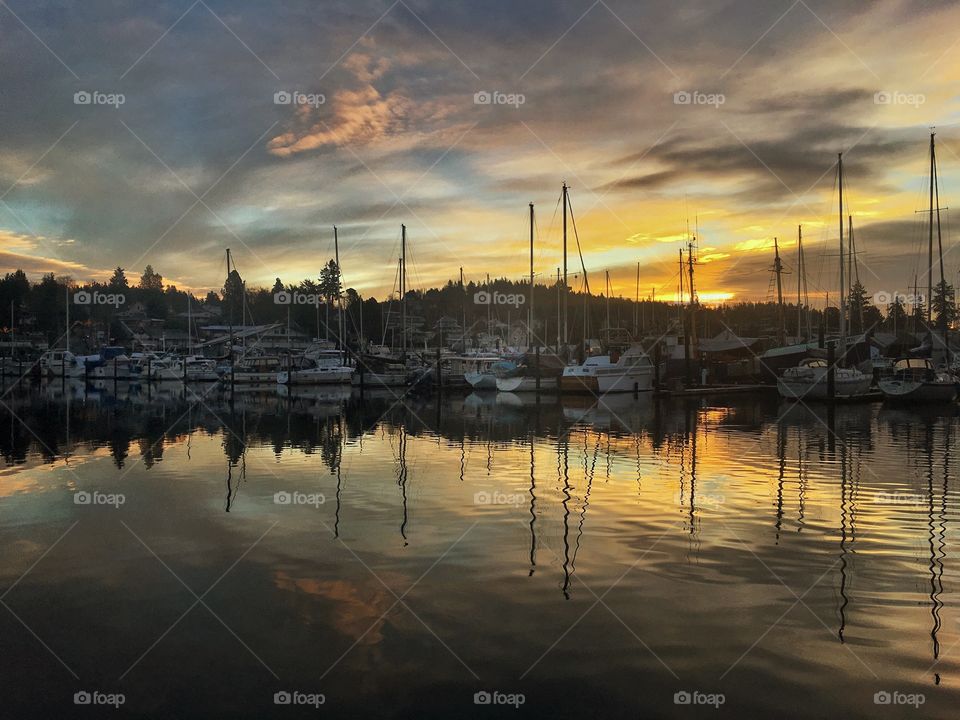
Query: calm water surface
{"points": [[400, 557]]}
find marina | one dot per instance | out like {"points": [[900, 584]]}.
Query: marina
{"points": [[428, 360]]}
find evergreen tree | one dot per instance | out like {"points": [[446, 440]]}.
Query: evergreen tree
{"points": [[896, 315], [150, 280], [118, 281], [944, 304], [857, 304]]}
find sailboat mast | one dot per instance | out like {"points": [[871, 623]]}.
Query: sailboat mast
{"points": [[403, 289], [229, 313], [340, 327], [463, 312], [778, 268], [799, 277], [565, 300], [530, 309], [930, 245], [636, 305], [843, 297], [608, 301], [693, 298], [559, 303], [680, 292]]}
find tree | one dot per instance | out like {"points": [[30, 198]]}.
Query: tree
{"points": [[857, 303], [150, 280], [118, 281], [944, 306], [330, 286], [896, 315], [233, 297]]}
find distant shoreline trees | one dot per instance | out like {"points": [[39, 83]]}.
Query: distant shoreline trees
{"points": [[40, 308]]}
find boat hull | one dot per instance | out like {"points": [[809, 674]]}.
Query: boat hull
{"points": [[617, 382], [579, 384], [525, 384], [325, 376], [380, 379], [918, 391], [481, 381], [817, 388]]}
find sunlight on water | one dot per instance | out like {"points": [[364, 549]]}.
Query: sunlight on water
{"points": [[399, 557]]}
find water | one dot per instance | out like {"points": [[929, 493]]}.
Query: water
{"points": [[589, 561]]}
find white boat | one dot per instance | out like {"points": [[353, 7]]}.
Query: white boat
{"points": [[62, 363], [809, 381], [157, 368], [630, 372], [261, 369], [320, 368], [199, 369], [916, 380], [525, 384], [480, 371]]}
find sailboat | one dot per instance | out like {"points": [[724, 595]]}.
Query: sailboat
{"points": [[811, 379], [381, 368], [534, 371], [917, 379]]}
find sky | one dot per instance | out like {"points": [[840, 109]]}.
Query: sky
{"points": [[259, 126]]}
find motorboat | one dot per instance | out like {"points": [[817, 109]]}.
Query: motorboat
{"points": [[62, 363], [321, 368], [631, 371]]}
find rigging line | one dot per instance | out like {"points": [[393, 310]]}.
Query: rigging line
{"points": [[576, 235]]}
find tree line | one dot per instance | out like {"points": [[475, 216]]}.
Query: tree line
{"points": [[436, 315]]}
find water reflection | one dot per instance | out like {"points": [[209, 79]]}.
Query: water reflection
{"points": [[696, 516]]}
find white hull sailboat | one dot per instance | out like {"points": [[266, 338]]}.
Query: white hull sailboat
{"points": [[915, 380], [810, 381]]}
